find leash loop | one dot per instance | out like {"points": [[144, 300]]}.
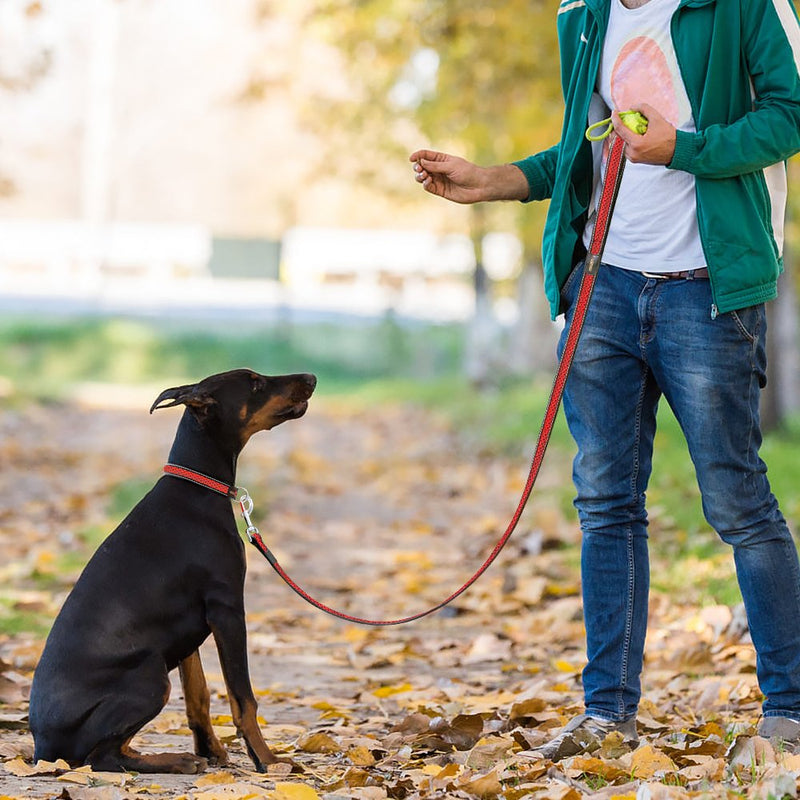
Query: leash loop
{"points": [[592, 137], [634, 120]]}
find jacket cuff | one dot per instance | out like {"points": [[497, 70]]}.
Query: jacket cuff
{"points": [[537, 185], [686, 146]]}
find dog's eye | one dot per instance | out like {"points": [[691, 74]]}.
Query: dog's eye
{"points": [[256, 384]]}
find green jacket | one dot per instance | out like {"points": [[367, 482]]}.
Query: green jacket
{"points": [[739, 60]]}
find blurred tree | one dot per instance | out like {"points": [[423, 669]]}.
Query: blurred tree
{"points": [[25, 57], [478, 79], [781, 396]]}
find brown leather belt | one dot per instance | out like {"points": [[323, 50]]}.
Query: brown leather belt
{"points": [[686, 275]]}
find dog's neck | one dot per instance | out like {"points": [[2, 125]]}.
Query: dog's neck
{"points": [[195, 449]]}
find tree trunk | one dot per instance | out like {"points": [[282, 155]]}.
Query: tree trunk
{"points": [[533, 346], [482, 335], [782, 393]]}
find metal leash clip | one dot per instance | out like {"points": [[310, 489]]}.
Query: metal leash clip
{"points": [[246, 504]]}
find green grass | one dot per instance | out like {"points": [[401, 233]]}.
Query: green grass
{"points": [[14, 622], [385, 362], [43, 360]]}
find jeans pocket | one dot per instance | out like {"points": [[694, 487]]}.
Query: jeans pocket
{"points": [[749, 321], [571, 284]]}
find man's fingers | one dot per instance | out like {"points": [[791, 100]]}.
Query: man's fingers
{"points": [[649, 111], [435, 167], [418, 154]]}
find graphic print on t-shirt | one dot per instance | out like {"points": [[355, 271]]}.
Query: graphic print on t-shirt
{"points": [[642, 73]]}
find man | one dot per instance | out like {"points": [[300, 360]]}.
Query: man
{"points": [[693, 253]]}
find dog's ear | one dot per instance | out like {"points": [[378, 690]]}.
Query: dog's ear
{"points": [[190, 395]]}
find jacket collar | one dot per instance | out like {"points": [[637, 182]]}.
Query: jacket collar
{"points": [[600, 7]]}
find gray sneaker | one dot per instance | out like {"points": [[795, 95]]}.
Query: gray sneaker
{"points": [[585, 734], [783, 733]]}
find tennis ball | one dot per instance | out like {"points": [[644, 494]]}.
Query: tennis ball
{"points": [[634, 120]]}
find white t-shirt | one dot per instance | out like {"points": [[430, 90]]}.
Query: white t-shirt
{"points": [[654, 226]]}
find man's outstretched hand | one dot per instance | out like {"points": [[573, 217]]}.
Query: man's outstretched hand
{"points": [[461, 181]]}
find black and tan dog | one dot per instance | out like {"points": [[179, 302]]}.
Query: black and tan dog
{"points": [[171, 574]]}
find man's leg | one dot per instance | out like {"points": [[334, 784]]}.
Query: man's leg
{"points": [[712, 373], [610, 404]]}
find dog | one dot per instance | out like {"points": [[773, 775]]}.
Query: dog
{"points": [[169, 575]]}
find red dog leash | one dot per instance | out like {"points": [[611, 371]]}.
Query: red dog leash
{"points": [[614, 169]]}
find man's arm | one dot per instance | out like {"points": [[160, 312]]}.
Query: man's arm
{"points": [[770, 132]]}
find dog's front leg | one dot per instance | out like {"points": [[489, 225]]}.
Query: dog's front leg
{"points": [[198, 703], [231, 640]]}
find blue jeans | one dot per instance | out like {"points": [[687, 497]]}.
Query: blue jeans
{"points": [[644, 338]]}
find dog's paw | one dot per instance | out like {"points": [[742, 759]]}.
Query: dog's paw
{"points": [[217, 756], [281, 767], [189, 764]]}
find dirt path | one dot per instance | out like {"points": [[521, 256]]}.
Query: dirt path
{"points": [[380, 513]]}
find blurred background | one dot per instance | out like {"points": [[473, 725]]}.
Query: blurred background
{"points": [[246, 163], [188, 186]]}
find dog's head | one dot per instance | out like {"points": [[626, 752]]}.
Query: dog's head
{"points": [[242, 402]]}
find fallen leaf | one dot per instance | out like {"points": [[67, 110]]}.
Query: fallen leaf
{"points": [[360, 756], [462, 733], [489, 751], [483, 786], [318, 743], [214, 779], [389, 691], [647, 762], [748, 752], [442, 775], [234, 791], [709, 769], [780, 784], [488, 647], [22, 769], [527, 708], [12, 720], [587, 765], [294, 791]]}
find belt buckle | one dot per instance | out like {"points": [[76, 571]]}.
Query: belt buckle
{"points": [[655, 276]]}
